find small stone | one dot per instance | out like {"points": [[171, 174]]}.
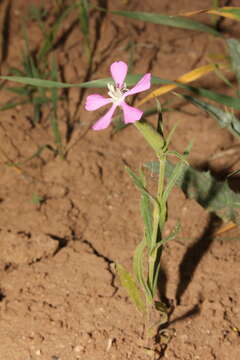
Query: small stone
{"points": [[78, 348]]}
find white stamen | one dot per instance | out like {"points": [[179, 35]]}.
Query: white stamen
{"points": [[116, 93]]}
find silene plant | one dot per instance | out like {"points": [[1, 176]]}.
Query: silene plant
{"points": [[144, 287]]}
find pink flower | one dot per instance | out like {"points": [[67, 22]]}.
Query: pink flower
{"points": [[118, 93]]}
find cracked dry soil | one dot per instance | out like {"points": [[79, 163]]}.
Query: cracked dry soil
{"points": [[59, 298]]}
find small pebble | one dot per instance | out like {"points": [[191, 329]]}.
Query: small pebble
{"points": [[78, 348]]}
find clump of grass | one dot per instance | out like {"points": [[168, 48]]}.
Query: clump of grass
{"points": [[36, 64], [83, 13]]}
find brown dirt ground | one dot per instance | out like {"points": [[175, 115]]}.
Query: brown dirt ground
{"points": [[59, 298]]}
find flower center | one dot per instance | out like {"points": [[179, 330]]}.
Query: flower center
{"points": [[116, 93]]}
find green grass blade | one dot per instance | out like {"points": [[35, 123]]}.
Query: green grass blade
{"points": [[84, 17], [26, 55], [83, 6], [234, 50], [101, 83], [34, 69], [33, 156], [130, 80], [50, 37], [27, 68], [36, 13], [230, 101], [53, 116], [224, 118], [16, 72], [37, 82], [168, 20], [12, 105], [129, 284], [41, 100], [20, 90]]}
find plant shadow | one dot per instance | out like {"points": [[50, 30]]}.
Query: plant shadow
{"points": [[194, 255]]}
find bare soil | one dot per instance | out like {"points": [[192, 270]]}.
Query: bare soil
{"points": [[59, 296]]}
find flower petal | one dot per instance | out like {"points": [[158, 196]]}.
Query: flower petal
{"points": [[119, 71], [95, 101], [143, 84], [105, 120], [130, 113]]}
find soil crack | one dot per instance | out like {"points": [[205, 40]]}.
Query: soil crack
{"points": [[109, 262], [62, 242]]}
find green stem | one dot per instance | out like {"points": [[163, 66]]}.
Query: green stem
{"points": [[162, 215], [159, 217]]}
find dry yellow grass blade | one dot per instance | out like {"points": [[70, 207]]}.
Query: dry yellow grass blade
{"points": [[195, 12], [231, 225], [227, 12], [184, 79], [231, 12]]}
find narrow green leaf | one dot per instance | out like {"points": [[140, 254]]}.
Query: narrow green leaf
{"points": [[34, 155], [230, 101], [139, 184], [12, 105], [139, 270], [26, 53], [168, 20], [19, 90], [35, 71], [234, 50], [130, 80], [16, 72], [175, 175], [154, 139], [172, 180], [50, 36], [84, 17], [129, 284], [101, 83], [83, 7], [41, 100], [53, 115], [224, 118], [170, 237]]}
